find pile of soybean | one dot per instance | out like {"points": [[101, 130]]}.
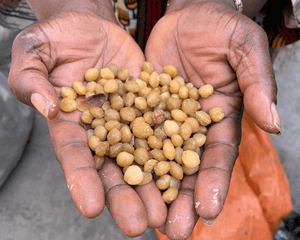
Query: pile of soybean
{"points": [[153, 126]]}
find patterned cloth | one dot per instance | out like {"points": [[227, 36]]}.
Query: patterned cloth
{"points": [[138, 17], [17, 17], [278, 19], [281, 20]]}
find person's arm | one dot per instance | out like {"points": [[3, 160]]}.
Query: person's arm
{"points": [[250, 7], [45, 8]]}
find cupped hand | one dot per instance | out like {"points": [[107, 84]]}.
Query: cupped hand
{"points": [[54, 53], [210, 43]]}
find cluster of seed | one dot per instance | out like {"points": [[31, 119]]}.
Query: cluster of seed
{"points": [[152, 126]]}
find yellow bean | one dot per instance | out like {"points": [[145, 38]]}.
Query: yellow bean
{"points": [[206, 90], [171, 70], [141, 155], [91, 74], [124, 159], [170, 195], [133, 175], [79, 88], [68, 105], [68, 92], [162, 168], [190, 158], [217, 114], [163, 182]]}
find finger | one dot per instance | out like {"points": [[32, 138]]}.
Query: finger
{"points": [[217, 161], [123, 203], [249, 57], [69, 143], [28, 77], [182, 216], [154, 204]]}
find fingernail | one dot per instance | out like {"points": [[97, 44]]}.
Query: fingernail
{"points": [[209, 222], [40, 103], [276, 119]]}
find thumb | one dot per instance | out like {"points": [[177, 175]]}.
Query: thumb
{"points": [[28, 77], [251, 61]]}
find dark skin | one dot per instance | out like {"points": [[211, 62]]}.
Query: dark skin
{"points": [[231, 55], [229, 51], [54, 53]]}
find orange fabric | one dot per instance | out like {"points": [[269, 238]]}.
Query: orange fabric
{"points": [[258, 197]]}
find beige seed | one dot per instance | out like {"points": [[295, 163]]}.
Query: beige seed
{"points": [[200, 139], [141, 155], [158, 154], [179, 115], [123, 74], [93, 142], [102, 149], [87, 117], [171, 70], [113, 67], [126, 134], [106, 73], [170, 195], [164, 79], [171, 127], [190, 158], [68, 92], [79, 88], [91, 74], [124, 159], [133, 175], [176, 170], [142, 130], [97, 112], [101, 132], [175, 183], [131, 86], [206, 90], [149, 165], [169, 150], [154, 79], [147, 177], [203, 118], [148, 67], [162, 168], [190, 171], [111, 86], [91, 86], [127, 114], [114, 136], [68, 105], [163, 182], [144, 76], [177, 140], [217, 114]]}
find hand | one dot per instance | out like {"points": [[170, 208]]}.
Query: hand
{"points": [[212, 43], [53, 53]]}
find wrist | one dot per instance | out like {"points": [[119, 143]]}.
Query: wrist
{"points": [[175, 5], [44, 9]]}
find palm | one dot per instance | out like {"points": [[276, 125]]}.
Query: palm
{"points": [[85, 41], [55, 53], [211, 43]]}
